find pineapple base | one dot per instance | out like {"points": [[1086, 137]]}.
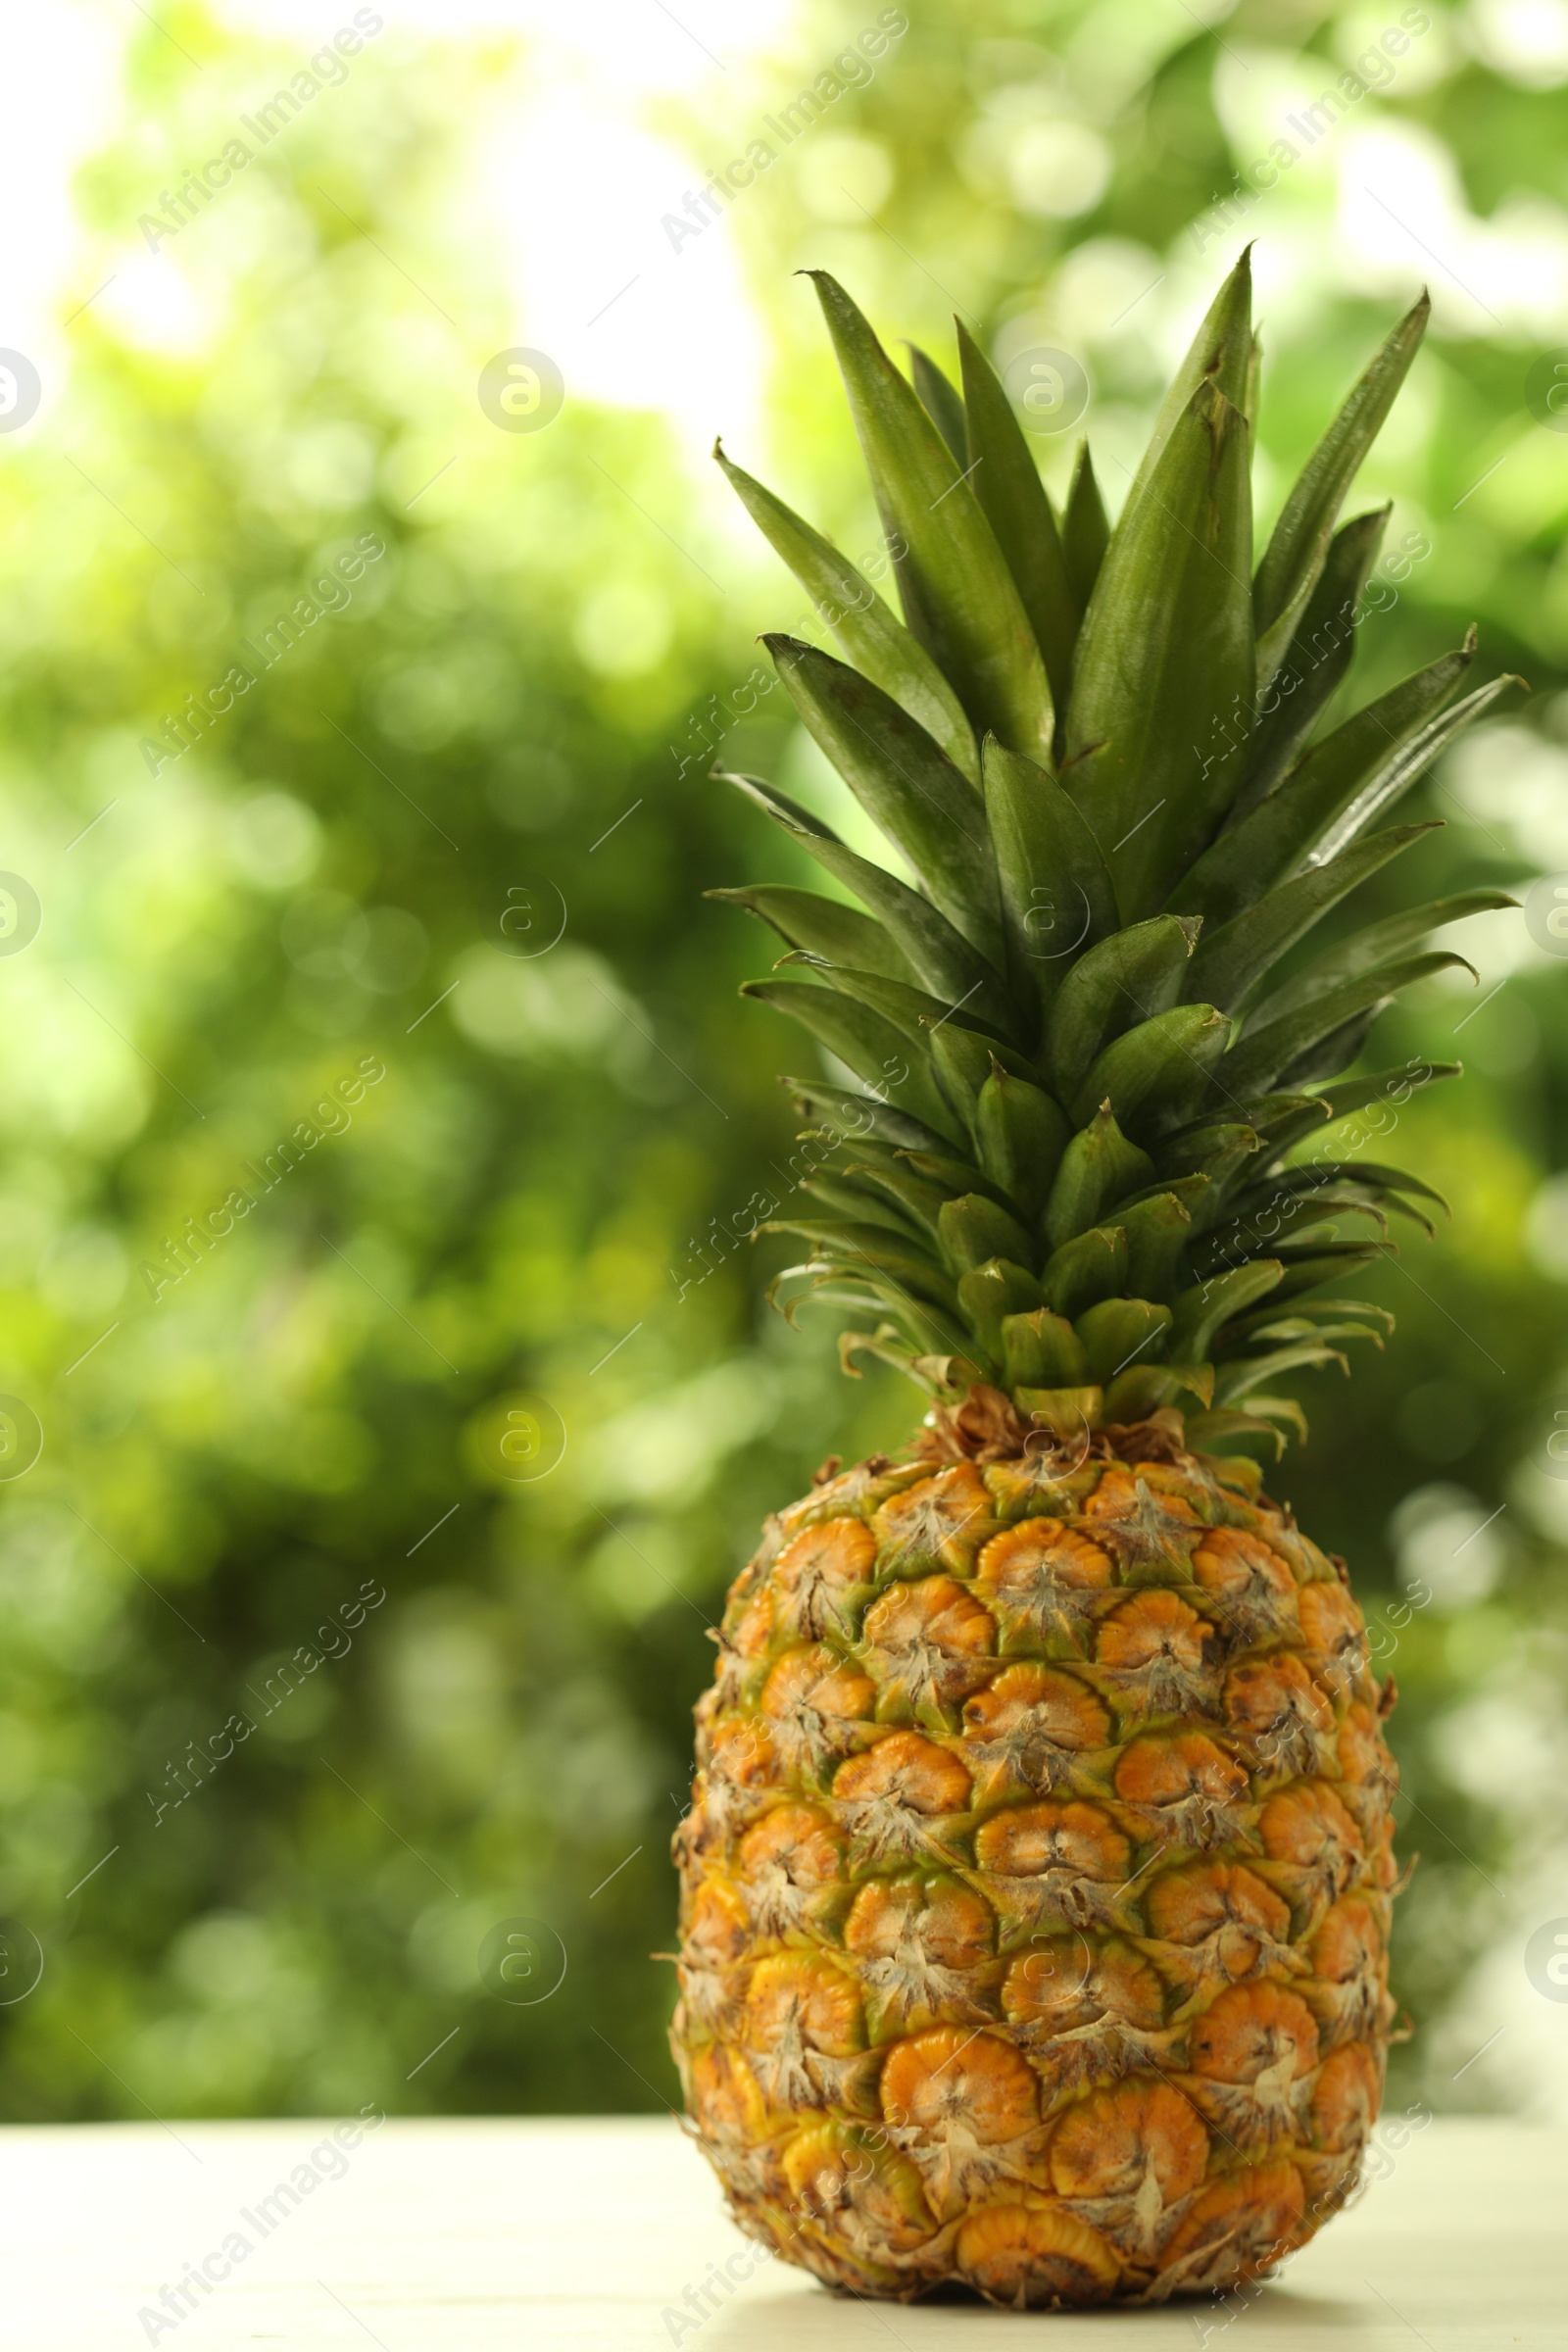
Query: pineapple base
{"points": [[1035, 1883]]}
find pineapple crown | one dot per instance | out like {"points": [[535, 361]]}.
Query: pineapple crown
{"points": [[1074, 1171]]}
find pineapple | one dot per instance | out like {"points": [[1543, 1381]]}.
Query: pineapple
{"points": [[1037, 1878]]}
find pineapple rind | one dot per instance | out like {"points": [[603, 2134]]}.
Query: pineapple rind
{"points": [[1035, 1886]]}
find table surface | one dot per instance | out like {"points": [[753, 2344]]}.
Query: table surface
{"points": [[465, 2236]]}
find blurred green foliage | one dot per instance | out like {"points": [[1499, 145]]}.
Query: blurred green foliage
{"points": [[504, 726]]}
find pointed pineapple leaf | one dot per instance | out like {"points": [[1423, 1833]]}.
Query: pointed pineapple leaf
{"points": [[1325, 1261], [1165, 658], [952, 1177], [940, 402], [867, 1043], [1231, 961], [1220, 1152], [937, 1375], [904, 782], [1098, 1169], [1378, 944], [919, 1202], [1221, 354], [822, 927], [1394, 1086], [974, 1229], [854, 1248], [1085, 530], [1042, 1350], [1120, 1330], [1090, 1268], [877, 643], [1202, 1310], [841, 1196], [1309, 1175], [963, 1061], [1320, 651], [911, 1009], [941, 957], [1056, 895], [1153, 1076], [1139, 1391], [1276, 1323], [1158, 1232], [1295, 554], [1012, 497], [1243, 1374], [989, 1295], [1217, 1432], [857, 1117], [1376, 794], [1127, 978], [1267, 1051], [1369, 760], [1021, 1133], [959, 595]]}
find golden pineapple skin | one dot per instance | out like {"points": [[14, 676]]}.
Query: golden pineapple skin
{"points": [[1035, 1889]]}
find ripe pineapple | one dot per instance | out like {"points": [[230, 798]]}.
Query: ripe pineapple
{"points": [[1037, 1878]]}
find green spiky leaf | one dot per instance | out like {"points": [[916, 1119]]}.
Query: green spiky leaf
{"points": [[1295, 554], [1165, 658], [870, 636], [959, 595], [1073, 1168], [1014, 501]]}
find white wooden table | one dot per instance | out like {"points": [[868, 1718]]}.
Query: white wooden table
{"points": [[463, 2235]]}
